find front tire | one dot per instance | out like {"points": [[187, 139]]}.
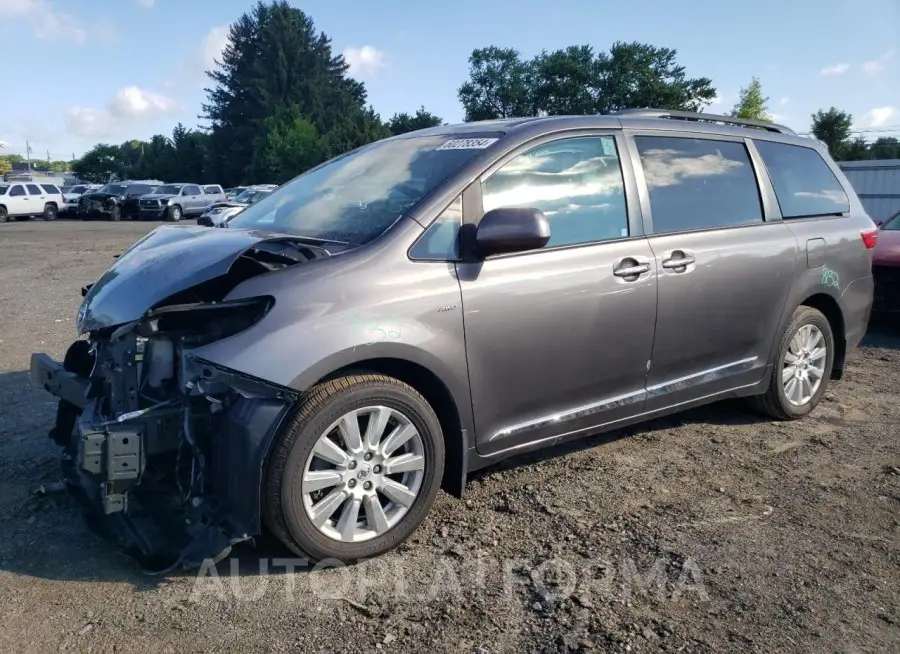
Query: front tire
{"points": [[115, 214], [356, 471], [802, 369], [175, 213]]}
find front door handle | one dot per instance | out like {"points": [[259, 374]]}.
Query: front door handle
{"points": [[631, 268]]}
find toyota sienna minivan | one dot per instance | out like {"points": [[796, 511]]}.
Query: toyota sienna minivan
{"points": [[426, 305]]}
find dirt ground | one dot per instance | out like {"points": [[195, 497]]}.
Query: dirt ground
{"points": [[709, 531]]}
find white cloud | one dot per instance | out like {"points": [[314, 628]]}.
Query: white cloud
{"points": [[212, 46], [877, 116], [876, 66], [365, 61], [129, 105], [148, 4], [718, 102], [837, 69], [46, 23]]}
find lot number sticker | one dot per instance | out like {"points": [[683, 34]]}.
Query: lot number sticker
{"points": [[467, 144]]}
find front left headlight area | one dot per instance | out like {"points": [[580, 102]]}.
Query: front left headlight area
{"points": [[201, 323]]}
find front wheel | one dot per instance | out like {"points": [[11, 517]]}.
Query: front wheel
{"points": [[357, 469], [115, 214], [175, 213], [803, 367]]}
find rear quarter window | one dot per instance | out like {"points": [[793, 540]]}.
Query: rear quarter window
{"points": [[804, 184], [50, 188], [213, 190]]}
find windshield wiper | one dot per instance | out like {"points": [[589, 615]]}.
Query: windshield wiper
{"points": [[315, 241]]}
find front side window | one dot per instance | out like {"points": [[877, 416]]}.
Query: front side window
{"points": [[440, 242], [698, 183], [804, 184], [576, 182], [358, 196], [16, 191]]}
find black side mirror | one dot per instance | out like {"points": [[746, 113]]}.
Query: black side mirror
{"points": [[879, 224], [512, 229]]}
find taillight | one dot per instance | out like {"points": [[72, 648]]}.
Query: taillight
{"points": [[870, 238]]}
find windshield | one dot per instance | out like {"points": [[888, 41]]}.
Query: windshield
{"points": [[251, 196], [168, 189], [114, 189], [4, 188], [356, 197], [892, 224]]}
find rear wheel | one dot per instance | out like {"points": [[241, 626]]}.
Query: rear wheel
{"points": [[803, 368], [356, 471], [4, 215], [50, 212], [175, 213]]}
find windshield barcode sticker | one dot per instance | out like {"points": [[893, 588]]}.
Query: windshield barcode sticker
{"points": [[467, 144]]}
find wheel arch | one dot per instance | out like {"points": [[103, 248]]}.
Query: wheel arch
{"points": [[438, 395]]}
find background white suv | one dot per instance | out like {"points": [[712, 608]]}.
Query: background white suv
{"points": [[25, 199]]}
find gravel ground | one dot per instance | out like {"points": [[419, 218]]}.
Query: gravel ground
{"points": [[709, 531]]}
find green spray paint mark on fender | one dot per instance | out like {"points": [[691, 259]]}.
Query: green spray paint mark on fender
{"points": [[830, 278]]}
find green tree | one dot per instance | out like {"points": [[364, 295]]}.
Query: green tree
{"points": [[833, 127], [5, 165], [99, 163], [131, 152], [275, 57], [288, 146], [158, 159], [576, 81], [59, 166], [886, 147], [190, 150], [752, 104], [857, 150], [401, 123], [500, 85]]}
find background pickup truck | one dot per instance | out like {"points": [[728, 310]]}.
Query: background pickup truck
{"points": [[175, 201]]}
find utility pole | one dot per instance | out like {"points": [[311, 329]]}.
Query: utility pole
{"points": [[28, 154], [48, 158]]}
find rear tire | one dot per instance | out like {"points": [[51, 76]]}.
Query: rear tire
{"points": [[4, 215], [292, 496], [807, 332], [50, 212]]}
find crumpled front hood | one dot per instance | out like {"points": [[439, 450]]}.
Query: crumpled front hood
{"points": [[168, 260]]}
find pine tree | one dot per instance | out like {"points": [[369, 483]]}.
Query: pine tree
{"points": [[752, 104]]}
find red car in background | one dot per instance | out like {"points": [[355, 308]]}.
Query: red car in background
{"points": [[886, 266]]}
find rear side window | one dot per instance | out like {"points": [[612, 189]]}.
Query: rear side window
{"points": [[33, 189], [213, 190], [50, 188], [698, 183], [804, 184], [576, 182]]}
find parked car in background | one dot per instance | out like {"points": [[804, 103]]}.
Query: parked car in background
{"points": [[71, 195], [231, 193], [175, 201], [220, 212], [886, 266], [114, 201], [426, 305], [26, 199]]}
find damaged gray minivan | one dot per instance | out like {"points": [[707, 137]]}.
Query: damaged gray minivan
{"points": [[428, 304]]}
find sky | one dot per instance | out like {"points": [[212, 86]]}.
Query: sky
{"points": [[79, 72]]}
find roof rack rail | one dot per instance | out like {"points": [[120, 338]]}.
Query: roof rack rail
{"points": [[708, 118]]}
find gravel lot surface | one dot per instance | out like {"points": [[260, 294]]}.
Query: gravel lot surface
{"points": [[709, 531]]}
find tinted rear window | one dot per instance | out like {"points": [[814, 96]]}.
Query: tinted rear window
{"points": [[804, 184], [212, 190], [50, 188]]}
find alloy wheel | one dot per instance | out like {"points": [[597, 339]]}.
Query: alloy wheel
{"points": [[363, 474], [804, 365]]}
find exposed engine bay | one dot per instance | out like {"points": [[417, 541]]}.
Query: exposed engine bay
{"points": [[156, 441]]}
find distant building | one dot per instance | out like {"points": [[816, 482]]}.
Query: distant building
{"points": [[877, 183]]}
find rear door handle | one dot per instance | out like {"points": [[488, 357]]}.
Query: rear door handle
{"points": [[678, 259]]}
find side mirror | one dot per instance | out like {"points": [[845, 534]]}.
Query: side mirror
{"points": [[879, 223], [512, 229]]}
